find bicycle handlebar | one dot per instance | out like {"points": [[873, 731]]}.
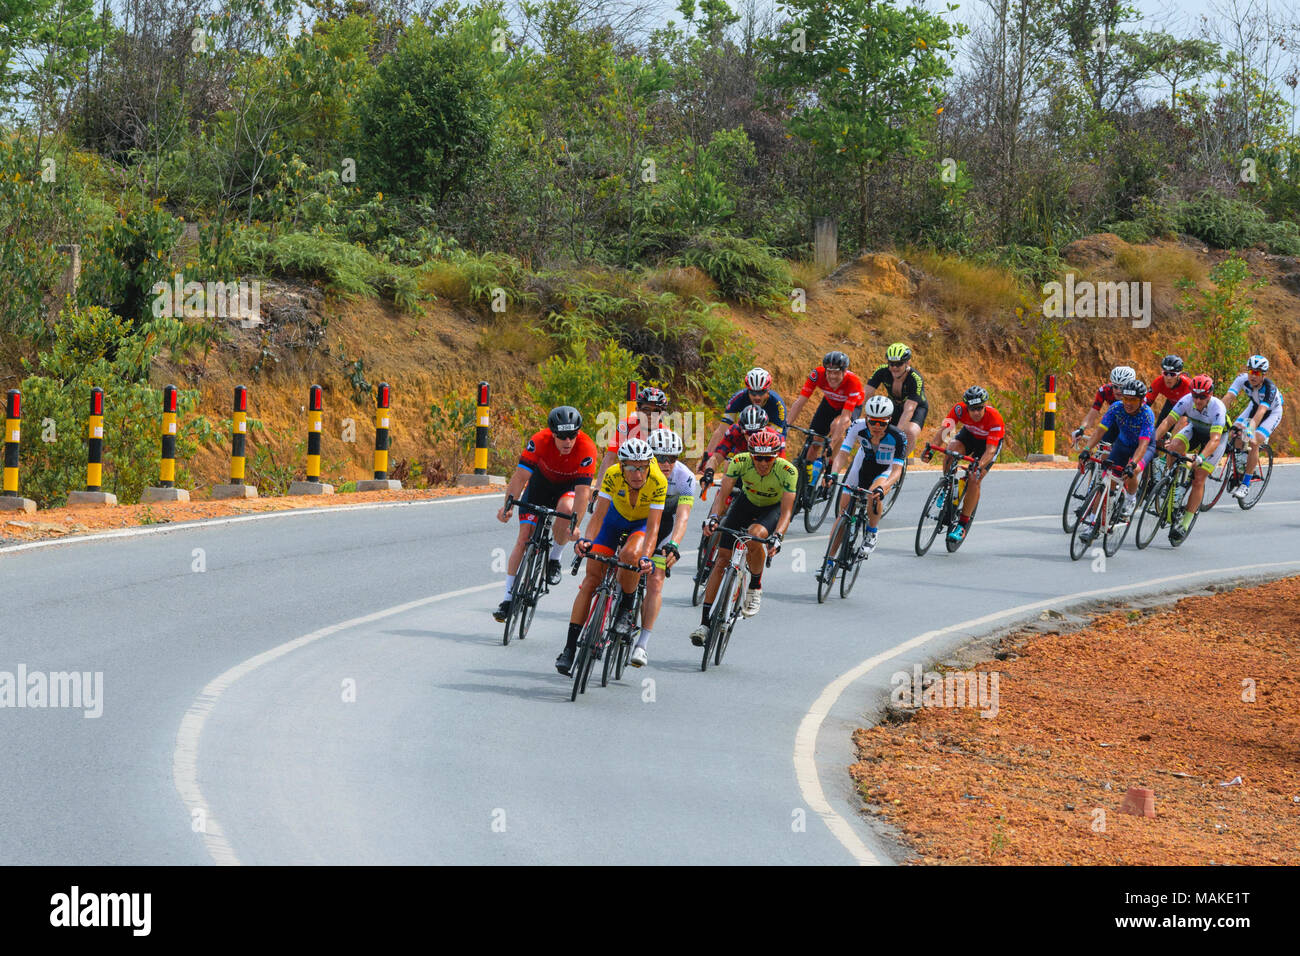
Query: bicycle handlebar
{"points": [[944, 449], [602, 559]]}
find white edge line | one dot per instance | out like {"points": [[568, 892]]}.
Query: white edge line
{"points": [[805, 741], [164, 527], [185, 758]]}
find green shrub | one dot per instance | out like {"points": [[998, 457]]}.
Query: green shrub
{"points": [[1221, 317], [590, 383], [745, 271], [1227, 223], [132, 253], [1031, 265], [1131, 232]]}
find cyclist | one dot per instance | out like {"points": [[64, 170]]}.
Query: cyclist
{"points": [[626, 520], [1134, 425], [667, 447], [877, 464], [1106, 396], [757, 391], [1261, 416], [842, 395], [906, 390], [752, 419], [980, 436], [1201, 419], [651, 405], [1172, 385], [764, 507], [555, 469]]}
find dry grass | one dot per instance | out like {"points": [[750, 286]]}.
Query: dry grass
{"points": [[965, 287], [1161, 266], [807, 276], [685, 282], [446, 280]]}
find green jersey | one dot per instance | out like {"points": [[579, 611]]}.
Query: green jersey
{"points": [[763, 490]]}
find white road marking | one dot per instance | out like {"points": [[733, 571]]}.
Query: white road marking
{"points": [[805, 741], [185, 758]]}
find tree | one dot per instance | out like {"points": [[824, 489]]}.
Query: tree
{"points": [[1175, 60], [859, 75]]}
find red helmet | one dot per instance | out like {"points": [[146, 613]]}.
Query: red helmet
{"points": [[1202, 385], [766, 442]]}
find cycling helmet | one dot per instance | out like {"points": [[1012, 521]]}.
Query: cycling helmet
{"points": [[878, 406], [975, 397], [753, 418], [1257, 363], [1171, 364], [665, 443], [565, 421], [758, 379], [835, 360], [1202, 385], [654, 397], [1136, 388], [635, 449], [898, 352], [1122, 374], [766, 442]]}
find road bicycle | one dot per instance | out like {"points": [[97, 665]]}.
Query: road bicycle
{"points": [[943, 505], [729, 600], [598, 630], [847, 558], [706, 554], [814, 502], [530, 582], [1228, 472], [1085, 479], [1101, 515], [1166, 502]]}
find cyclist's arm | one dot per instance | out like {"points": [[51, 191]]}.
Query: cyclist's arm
{"points": [[724, 492], [718, 433], [1163, 427], [597, 519], [891, 479], [651, 537], [796, 408], [608, 459], [841, 459], [581, 495], [681, 519], [518, 482], [1260, 414], [787, 512], [1216, 436], [1090, 419], [989, 454], [909, 409], [842, 420]]}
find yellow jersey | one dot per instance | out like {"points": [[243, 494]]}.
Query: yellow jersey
{"points": [[652, 495]]}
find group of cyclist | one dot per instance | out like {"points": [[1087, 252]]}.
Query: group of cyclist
{"points": [[641, 510], [1192, 422]]}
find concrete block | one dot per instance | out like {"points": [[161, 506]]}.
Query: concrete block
{"points": [[150, 495], [92, 499], [310, 488], [478, 481], [379, 484], [8, 503], [234, 491]]}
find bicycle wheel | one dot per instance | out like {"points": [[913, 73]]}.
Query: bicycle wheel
{"points": [[1151, 517], [949, 543], [704, 564], [583, 657], [718, 616], [801, 486], [1087, 527], [934, 518], [1080, 487], [1184, 488], [593, 634], [819, 507], [824, 586], [522, 594], [1217, 481], [738, 590], [1116, 530], [893, 493], [536, 588], [1263, 472], [849, 552]]}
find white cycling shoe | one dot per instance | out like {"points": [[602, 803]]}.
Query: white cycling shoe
{"points": [[700, 635], [639, 658], [752, 600], [1240, 491]]}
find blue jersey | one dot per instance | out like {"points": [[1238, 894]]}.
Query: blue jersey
{"points": [[1132, 428], [774, 406]]}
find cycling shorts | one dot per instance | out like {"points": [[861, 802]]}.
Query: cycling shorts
{"points": [[1195, 436], [918, 416], [744, 513], [826, 414], [1266, 426], [865, 470], [976, 446], [615, 530], [547, 494]]}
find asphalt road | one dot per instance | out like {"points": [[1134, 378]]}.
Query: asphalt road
{"points": [[411, 735]]}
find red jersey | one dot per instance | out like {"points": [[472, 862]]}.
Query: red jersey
{"points": [[1160, 390], [736, 440], [578, 467], [1106, 397], [632, 428], [990, 427], [850, 392]]}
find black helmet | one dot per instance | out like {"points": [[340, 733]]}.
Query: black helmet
{"points": [[975, 397], [835, 360], [653, 397], [1137, 388], [565, 421], [1171, 364]]}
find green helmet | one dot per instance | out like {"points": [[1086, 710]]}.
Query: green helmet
{"points": [[898, 352]]}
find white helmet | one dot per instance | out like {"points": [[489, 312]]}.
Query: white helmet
{"points": [[878, 406], [758, 379], [634, 449], [1257, 363], [664, 442], [1121, 375]]}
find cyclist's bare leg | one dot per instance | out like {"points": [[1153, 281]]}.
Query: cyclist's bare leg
{"points": [[757, 553], [654, 598], [517, 553], [1197, 490], [912, 431], [720, 563], [1252, 460], [837, 530], [630, 554], [590, 581]]}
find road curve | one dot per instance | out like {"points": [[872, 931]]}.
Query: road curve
{"points": [[230, 732]]}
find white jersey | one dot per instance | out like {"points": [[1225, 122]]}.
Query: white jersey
{"points": [[1215, 415], [1266, 394], [682, 486]]}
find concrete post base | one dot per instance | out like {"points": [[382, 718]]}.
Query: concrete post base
{"points": [[17, 504], [234, 491], [92, 499], [310, 488], [379, 484], [478, 481], [150, 495], [1040, 457]]}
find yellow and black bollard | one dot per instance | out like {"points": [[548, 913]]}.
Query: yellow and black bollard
{"points": [[482, 419], [94, 494], [313, 485], [1049, 424], [238, 488], [166, 489], [10, 500], [629, 413], [381, 481]]}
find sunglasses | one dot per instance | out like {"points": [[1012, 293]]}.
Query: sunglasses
{"points": [[1200, 394], [878, 421], [897, 364], [760, 392], [1254, 371], [763, 457], [666, 459], [643, 467]]}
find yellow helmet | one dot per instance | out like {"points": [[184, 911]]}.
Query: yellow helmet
{"points": [[898, 352]]}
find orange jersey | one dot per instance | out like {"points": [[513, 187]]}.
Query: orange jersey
{"points": [[578, 467]]}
